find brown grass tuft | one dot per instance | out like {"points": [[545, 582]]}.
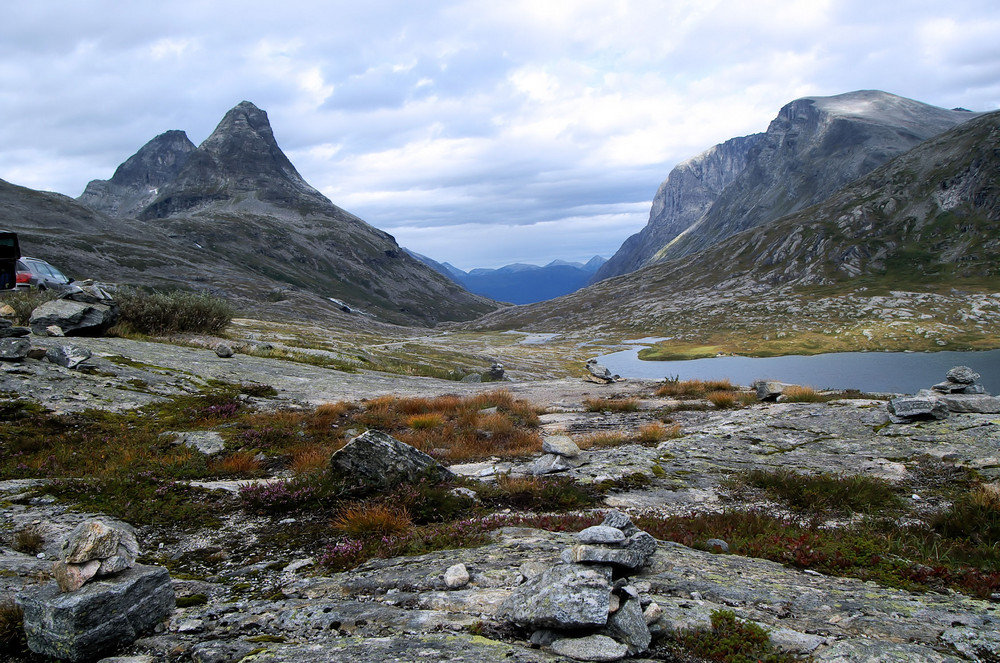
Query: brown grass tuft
{"points": [[657, 432], [602, 439], [311, 459], [240, 463], [721, 399], [373, 520]]}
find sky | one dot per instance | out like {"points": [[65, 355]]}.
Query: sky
{"points": [[480, 133]]}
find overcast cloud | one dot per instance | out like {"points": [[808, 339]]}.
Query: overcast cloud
{"points": [[480, 133]]}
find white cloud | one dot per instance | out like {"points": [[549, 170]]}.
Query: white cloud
{"points": [[499, 131]]}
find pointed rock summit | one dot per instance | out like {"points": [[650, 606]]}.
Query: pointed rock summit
{"points": [[136, 183], [239, 162]]}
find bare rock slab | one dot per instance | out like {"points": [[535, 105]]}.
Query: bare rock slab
{"points": [[590, 648], [99, 618]]}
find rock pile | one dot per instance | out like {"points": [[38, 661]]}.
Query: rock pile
{"points": [[94, 549], [585, 607], [560, 453], [102, 599], [960, 392]]}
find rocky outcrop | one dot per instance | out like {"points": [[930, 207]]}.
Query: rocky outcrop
{"points": [[81, 311]]}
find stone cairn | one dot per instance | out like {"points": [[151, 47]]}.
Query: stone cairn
{"points": [[585, 607], [599, 374], [959, 393], [101, 600]]}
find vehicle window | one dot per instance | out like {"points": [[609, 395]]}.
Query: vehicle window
{"points": [[21, 266], [59, 275]]}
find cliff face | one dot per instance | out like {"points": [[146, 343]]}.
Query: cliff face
{"points": [[814, 147], [688, 192]]}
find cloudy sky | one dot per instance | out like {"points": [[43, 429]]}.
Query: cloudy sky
{"points": [[477, 132]]}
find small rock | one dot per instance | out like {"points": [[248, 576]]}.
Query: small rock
{"points": [[552, 463], [68, 356], [456, 576], [652, 613], [561, 445], [906, 409], [962, 375], [224, 350], [620, 520], [71, 577], [717, 545], [590, 648], [14, 349], [54, 330]]}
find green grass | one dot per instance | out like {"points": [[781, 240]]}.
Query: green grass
{"points": [[731, 640], [822, 493]]}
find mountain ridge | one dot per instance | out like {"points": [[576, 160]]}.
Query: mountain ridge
{"points": [[813, 147]]}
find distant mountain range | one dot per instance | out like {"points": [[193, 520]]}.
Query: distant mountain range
{"points": [[925, 220], [233, 217], [521, 283]]}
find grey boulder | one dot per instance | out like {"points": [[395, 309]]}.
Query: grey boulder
{"points": [[376, 459], [103, 616], [14, 349], [73, 317]]}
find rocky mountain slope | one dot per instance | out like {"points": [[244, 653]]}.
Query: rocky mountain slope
{"points": [[233, 217], [815, 146], [924, 223]]}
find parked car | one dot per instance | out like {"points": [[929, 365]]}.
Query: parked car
{"points": [[36, 273]]}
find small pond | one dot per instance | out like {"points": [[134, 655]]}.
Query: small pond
{"points": [[898, 372]]}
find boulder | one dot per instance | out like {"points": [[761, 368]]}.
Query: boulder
{"points": [[552, 463], [566, 596], [378, 460], [208, 442], [67, 356], [14, 349], [962, 375], [769, 390], [8, 330], [92, 549], [103, 616], [224, 350], [906, 409], [75, 318], [496, 372]]}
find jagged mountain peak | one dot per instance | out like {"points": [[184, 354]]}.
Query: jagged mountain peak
{"points": [[137, 181], [239, 162]]}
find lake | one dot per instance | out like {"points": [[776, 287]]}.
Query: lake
{"points": [[898, 372]]}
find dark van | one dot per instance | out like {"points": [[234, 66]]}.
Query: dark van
{"points": [[10, 251]]}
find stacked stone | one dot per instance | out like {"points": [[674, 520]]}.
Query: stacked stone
{"points": [[560, 453], [93, 549], [102, 599], [590, 592], [959, 393]]}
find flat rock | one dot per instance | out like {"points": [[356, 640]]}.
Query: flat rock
{"points": [[975, 403], [590, 648], [910, 408], [601, 534]]}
